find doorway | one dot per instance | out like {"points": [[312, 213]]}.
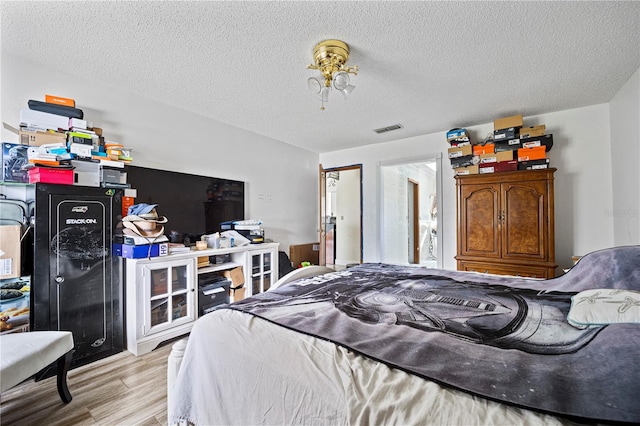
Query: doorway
{"points": [[341, 216], [413, 220], [410, 196]]}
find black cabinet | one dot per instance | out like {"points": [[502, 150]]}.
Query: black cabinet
{"points": [[76, 283]]}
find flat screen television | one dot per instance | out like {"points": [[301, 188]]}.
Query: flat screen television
{"points": [[194, 205]]}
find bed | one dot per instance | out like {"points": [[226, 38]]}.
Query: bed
{"points": [[387, 344]]}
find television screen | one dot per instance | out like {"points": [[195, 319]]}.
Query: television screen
{"points": [[194, 205]]}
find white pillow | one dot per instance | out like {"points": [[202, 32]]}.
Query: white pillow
{"points": [[604, 306]]}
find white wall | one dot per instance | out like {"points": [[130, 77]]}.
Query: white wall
{"points": [[625, 160], [162, 136], [581, 154]]}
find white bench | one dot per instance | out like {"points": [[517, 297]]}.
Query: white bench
{"points": [[22, 355]]}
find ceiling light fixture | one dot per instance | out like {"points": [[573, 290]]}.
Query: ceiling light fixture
{"points": [[330, 58]]}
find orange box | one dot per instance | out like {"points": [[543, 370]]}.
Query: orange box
{"points": [[487, 148], [126, 203], [59, 100], [535, 153]]}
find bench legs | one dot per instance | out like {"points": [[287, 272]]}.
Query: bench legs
{"points": [[64, 362]]}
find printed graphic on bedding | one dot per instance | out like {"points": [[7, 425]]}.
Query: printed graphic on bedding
{"points": [[504, 338], [495, 315]]}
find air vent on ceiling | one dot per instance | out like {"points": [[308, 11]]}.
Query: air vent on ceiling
{"points": [[388, 128]]}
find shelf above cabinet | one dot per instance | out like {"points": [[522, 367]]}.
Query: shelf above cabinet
{"points": [[219, 267]]}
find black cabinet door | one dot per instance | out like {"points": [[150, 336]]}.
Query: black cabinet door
{"points": [[76, 284]]}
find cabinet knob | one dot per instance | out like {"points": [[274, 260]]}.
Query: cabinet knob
{"points": [[59, 279]]}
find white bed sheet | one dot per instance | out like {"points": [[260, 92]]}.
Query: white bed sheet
{"points": [[241, 370]]}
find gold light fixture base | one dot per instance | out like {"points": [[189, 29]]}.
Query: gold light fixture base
{"points": [[331, 56]]}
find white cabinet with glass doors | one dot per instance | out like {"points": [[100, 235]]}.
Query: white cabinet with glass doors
{"points": [[263, 267], [164, 304], [162, 292]]}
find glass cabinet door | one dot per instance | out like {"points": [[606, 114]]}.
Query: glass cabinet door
{"points": [[261, 272], [169, 294]]}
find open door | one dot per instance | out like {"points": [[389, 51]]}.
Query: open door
{"points": [[340, 221], [413, 220], [321, 228]]}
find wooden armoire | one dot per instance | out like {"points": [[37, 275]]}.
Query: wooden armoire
{"points": [[506, 223]]}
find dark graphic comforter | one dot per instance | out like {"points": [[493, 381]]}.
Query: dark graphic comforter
{"points": [[503, 338]]}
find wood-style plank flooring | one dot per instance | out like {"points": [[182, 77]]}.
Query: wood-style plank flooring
{"points": [[119, 390]]}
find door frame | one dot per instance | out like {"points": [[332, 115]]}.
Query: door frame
{"points": [[438, 158], [414, 216], [322, 232]]}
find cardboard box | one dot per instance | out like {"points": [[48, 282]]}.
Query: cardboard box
{"points": [[10, 251], [138, 240], [544, 140], [456, 134], [465, 171], [530, 132], [86, 173], [80, 150], [304, 253], [112, 176], [460, 141], [77, 123], [460, 151], [504, 134], [14, 157], [504, 166], [467, 160], [534, 164], [235, 275], [528, 154], [51, 175], [507, 145], [38, 138], [496, 157], [43, 120], [237, 293], [507, 122], [487, 148]]}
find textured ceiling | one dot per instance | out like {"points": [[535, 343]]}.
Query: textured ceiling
{"points": [[429, 66]]}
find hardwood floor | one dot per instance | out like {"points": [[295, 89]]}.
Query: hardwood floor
{"points": [[119, 390]]}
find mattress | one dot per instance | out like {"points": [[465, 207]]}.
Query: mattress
{"points": [[242, 370]]}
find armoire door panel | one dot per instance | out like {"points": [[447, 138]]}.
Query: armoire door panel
{"points": [[480, 209], [524, 220], [506, 223]]}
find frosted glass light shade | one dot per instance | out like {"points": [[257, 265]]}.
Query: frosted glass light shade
{"points": [[314, 85], [340, 80]]}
